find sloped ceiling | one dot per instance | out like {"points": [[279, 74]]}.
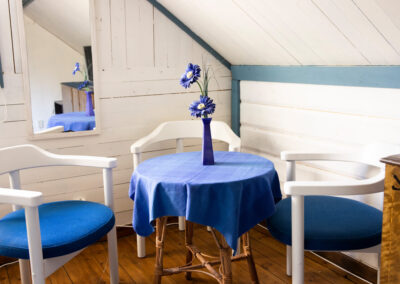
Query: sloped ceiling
{"points": [[296, 32], [66, 19]]}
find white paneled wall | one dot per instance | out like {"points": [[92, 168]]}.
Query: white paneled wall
{"points": [[317, 118], [296, 32], [141, 56]]}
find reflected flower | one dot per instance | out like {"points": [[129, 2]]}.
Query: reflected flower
{"points": [[76, 69]]}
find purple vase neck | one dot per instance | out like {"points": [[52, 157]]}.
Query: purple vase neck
{"points": [[207, 147]]}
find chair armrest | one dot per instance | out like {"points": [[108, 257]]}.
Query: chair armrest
{"points": [[21, 197], [84, 161], [356, 187], [303, 156]]}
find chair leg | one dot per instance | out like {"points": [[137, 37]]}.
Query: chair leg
{"points": [[288, 260], [298, 239], [141, 246], [181, 223], [113, 256], [25, 271]]}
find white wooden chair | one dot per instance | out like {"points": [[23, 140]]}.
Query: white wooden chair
{"points": [[178, 130], [55, 129], [50, 234], [361, 224]]}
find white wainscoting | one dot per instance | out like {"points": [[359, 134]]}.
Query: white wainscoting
{"points": [[283, 116]]}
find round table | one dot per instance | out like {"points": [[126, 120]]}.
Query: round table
{"points": [[73, 121], [232, 196]]}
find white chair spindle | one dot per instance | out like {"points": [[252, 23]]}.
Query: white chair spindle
{"points": [[15, 183], [25, 273], [35, 244], [112, 235], [290, 176], [298, 239]]}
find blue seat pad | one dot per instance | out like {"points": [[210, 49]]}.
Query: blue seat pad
{"points": [[65, 227], [330, 223]]}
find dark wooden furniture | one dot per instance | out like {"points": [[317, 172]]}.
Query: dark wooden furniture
{"points": [[74, 100], [223, 275], [390, 251]]}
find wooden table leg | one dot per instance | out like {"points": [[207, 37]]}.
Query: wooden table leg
{"points": [[188, 242], [160, 234], [250, 260], [226, 263]]}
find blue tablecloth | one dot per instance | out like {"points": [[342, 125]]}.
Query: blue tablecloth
{"points": [[73, 121], [232, 196]]}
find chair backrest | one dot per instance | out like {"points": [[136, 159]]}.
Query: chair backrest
{"points": [[30, 156], [372, 153], [55, 129], [376, 151], [179, 130]]}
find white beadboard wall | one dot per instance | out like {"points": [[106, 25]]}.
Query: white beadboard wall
{"points": [[141, 55], [317, 118]]}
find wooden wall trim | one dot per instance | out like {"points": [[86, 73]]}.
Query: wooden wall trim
{"points": [[361, 76], [1, 76], [26, 2], [235, 105]]}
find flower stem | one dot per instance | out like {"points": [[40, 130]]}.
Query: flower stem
{"points": [[201, 89]]}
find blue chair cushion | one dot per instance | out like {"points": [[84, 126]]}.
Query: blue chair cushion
{"points": [[65, 227], [330, 224]]}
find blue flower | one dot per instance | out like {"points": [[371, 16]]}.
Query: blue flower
{"points": [[83, 85], [203, 107], [191, 75], [76, 69]]}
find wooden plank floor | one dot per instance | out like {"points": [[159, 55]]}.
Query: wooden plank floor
{"points": [[91, 265]]}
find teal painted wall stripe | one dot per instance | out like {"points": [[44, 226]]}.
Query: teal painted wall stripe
{"points": [[235, 104], [26, 2], [363, 76], [1, 76], [187, 30]]}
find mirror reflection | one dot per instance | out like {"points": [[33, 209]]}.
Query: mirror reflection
{"points": [[59, 54]]}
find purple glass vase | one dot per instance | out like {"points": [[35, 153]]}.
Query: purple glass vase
{"points": [[208, 153], [89, 104]]}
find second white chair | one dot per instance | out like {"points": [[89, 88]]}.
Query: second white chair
{"points": [[179, 130], [315, 218]]}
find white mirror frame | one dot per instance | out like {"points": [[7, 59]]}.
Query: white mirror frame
{"points": [[26, 82]]}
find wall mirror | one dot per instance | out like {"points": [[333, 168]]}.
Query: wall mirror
{"points": [[59, 43]]}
